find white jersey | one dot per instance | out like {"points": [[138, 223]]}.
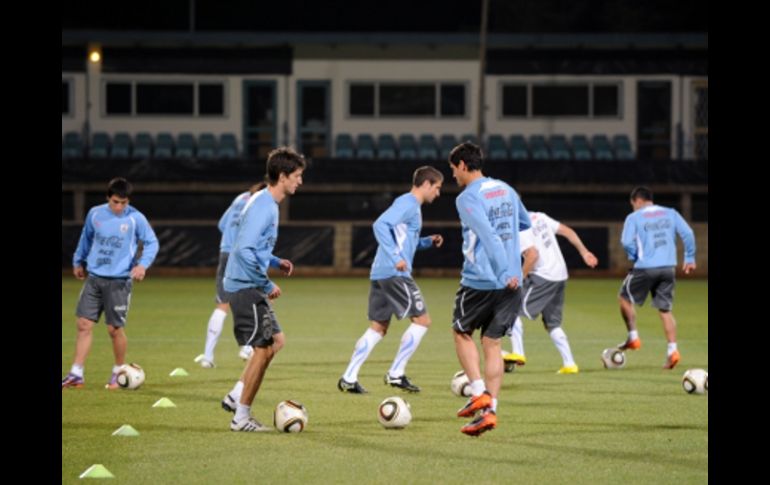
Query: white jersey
{"points": [[550, 264]]}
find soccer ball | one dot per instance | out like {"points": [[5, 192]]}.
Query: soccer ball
{"points": [[613, 358], [394, 412], [695, 381], [460, 385], [130, 376], [290, 416]]}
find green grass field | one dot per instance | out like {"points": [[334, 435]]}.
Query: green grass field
{"points": [[633, 425]]}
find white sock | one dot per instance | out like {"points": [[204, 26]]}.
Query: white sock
{"points": [[494, 404], [517, 337], [236, 391], [633, 335], [116, 368], [363, 348], [559, 339], [77, 370], [478, 387], [242, 412], [671, 348], [216, 321], [409, 343]]}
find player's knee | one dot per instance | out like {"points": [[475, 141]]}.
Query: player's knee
{"points": [[423, 320], [84, 324], [114, 331], [279, 340]]}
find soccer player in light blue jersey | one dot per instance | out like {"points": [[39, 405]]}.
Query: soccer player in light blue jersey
{"points": [[228, 226], [108, 248], [392, 290], [489, 298], [251, 289], [649, 239]]}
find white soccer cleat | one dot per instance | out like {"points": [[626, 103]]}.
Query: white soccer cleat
{"points": [[204, 362], [246, 352], [249, 425]]}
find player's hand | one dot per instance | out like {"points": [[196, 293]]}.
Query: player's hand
{"points": [[287, 267], [590, 260], [437, 239], [688, 268], [79, 272], [512, 283], [274, 293], [137, 272], [401, 265]]}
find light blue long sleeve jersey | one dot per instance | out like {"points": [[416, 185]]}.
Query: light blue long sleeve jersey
{"points": [[397, 231], [492, 215], [108, 243], [230, 221], [649, 237], [252, 252]]}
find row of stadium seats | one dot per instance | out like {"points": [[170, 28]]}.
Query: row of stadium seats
{"points": [[427, 148], [121, 146]]}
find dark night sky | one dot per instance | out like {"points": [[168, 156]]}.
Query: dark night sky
{"points": [[513, 16]]}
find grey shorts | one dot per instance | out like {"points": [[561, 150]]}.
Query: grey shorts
{"points": [[659, 282], [398, 296], [109, 295], [222, 295], [543, 296], [493, 311], [253, 317]]}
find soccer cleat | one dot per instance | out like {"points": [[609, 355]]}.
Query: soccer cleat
{"points": [[475, 403], [113, 382], [246, 352], [229, 403], [401, 382], [672, 360], [71, 380], [634, 344], [517, 359], [486, 421], [351, 387], [568, 369], [204, 362], [250, 425]]}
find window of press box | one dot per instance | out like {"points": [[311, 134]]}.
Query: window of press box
{"points": [[165, 99]]}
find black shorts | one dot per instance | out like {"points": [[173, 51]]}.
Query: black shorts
{"points": [[397, 295], [109, 295], [659, 282], [493, 311], [543, 296], [253, 318]]}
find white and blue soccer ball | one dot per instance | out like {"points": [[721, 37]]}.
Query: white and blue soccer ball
{"points": [[130, 376], [695, 381], [394, 413], [613, 358], [290, 416], [460, 385]]}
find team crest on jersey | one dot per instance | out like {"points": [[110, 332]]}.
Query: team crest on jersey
{"points": [[123, 228]]}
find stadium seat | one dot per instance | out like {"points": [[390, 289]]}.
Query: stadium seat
{"points": [[164, 146], [343, 146], [207, 146], [407, 147], [539, 148], [497, 148], [469, 137], [622, 146], [427, 148], [121, 146], [602, 148], [72, 146], [386, 147], [519, 149], [365, 147], [580, 147], [142, 146], [559, 147], [100, 145], [228, 146], [446, 143], [185, 146]]}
